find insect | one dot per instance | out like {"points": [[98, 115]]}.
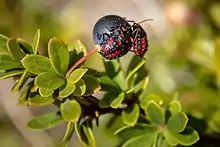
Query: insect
{"points": [[114, 37], [139, 38], [112, 33]]}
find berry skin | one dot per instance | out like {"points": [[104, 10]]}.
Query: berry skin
{"points": [[112, 34], [140, 42]]}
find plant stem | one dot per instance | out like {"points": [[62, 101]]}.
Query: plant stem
{"points": [[68, 134], [134, 70], [82, 60]]}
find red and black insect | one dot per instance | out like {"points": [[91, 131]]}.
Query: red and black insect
{"points": [[112, 34], [139, 38], [114, 37]]}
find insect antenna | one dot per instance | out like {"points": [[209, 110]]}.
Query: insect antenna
{"points": [[144, 21]]}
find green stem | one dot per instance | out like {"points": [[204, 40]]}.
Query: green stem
{"points": [[135, 70], [68, 134]]}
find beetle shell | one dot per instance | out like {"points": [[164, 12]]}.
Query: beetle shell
{"points": [[140, 42], [112, 34]]}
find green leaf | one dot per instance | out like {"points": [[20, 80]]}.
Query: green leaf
{"points": [[145, 140], [8, 74], [70, 110], [107, 99], [130, 114], [165, 144], [25, 46], [78, 130], [128, 132], [118, 100], [80, 88], [177, 122], [49, 81], [37, 100], [45, 92], [136, 72], [115, 72], [59, 55], [155, 113], [90, 139], [77, 50], [169, 138], [187, 137], [36, 41], [92, 84], [76, 75], [67, 90], [15, 51], [23, 99], [108, 84], [19, 84], [7, 63], [3, 48], [45, 121], [146, 98], [133, 71], [175, 107], [68, 134], [78, 46], [37, 64]]}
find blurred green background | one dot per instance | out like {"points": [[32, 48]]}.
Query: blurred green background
{"points": [[184, 56]]}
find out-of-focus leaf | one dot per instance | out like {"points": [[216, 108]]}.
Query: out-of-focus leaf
{"points": [[45, 121], [67, 90], [169, 138], [92, 84], [37, 100], [89, 137], [37, 64], [145, 140], [36, 41], [19, 84], [25, 46], [177, 122], [68, 134], [146, 98], [76, 75], [15, 51], [23, 99], [175, 107], [130, 114], [129, 132], [78, 130], [80, 88], [70, 110], [118, 100], [59, 55], [187, 137], [8, 74], [3, 48], [45, 92], [7, 63], [49, 81], [154, 113]]}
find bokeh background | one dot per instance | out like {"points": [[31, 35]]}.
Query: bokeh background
{"points": [[184, 56]]}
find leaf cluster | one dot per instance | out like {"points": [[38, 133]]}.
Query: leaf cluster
{"points": [[42, 81]]}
